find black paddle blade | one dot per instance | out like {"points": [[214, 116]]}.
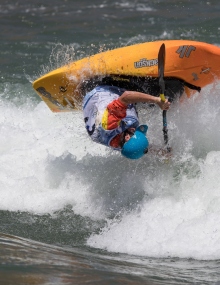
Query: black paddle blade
{"points": [[161, 65]]}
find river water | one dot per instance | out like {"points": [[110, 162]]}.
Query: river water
{"points": [[73, 212]]}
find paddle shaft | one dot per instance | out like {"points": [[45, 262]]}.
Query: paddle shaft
{"points": [[161, 65]]}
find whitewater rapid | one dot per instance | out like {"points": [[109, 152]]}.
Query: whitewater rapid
{"points": [[153, 207]]}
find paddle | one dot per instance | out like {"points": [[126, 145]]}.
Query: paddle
{"points": [[161, 64]]}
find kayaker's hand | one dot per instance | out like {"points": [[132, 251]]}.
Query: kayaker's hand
{"points": [[163, 105]]}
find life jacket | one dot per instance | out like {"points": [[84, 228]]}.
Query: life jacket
{"points": [[94, 107]]}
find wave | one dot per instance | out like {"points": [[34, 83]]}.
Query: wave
{"points": [[152, 207], [30, 261]]}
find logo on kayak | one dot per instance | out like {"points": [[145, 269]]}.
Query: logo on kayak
{"points": [[205, 70], [119, 78], [185, 51], [145, 63], [195, 76]]}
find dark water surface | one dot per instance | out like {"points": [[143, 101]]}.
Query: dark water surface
{"points": [[75, 213]]}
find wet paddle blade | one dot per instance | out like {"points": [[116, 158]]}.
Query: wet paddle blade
{"points": [[161, 65]]}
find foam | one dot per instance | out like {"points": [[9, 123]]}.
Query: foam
{"points": [[181, 222], [151, 207], [32, 138], [179, 216]]}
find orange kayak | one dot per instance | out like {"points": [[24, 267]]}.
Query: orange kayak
{"points": [[194, 64]]}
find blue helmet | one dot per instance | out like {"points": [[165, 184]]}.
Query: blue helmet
{"points": [[137, 146]]}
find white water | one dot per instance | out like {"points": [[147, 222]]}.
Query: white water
{"points": [[32, 138], [182, 222], [162, 208]]}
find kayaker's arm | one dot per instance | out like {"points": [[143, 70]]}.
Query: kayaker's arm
{"points": [[129, 97]]}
